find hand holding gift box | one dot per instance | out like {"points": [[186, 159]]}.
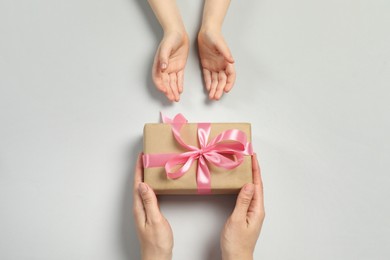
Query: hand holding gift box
{"points": [[183, 158], [238, 237]]}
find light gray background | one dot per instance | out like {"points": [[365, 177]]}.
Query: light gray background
{"points": [[75, 91]]}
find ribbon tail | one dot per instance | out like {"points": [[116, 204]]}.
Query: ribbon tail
{"points": [[203, 177]]}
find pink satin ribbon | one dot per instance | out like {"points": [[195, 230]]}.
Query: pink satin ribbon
{"points": [[226, 150]]}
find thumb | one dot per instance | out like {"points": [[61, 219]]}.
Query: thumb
{"points": [[244, 200], [165, 52], [225, 51], [149, 200]]}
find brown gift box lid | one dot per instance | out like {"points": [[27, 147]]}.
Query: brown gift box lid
{"points": [[158, 138]]}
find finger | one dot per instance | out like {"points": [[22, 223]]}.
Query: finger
{"points": [[207, 78], [173, 86], [138, 208], [256, 210], [160, 86], [221, 85], [170, 95], [214, 84], [243, 202], [157, 77], [165, 52], [166, 80], [256, 173], [149, 201], [231, 77], [180, 81], [138, 171], [225, 51]]}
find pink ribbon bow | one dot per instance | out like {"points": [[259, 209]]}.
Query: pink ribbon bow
{"points": [[226, 150]]}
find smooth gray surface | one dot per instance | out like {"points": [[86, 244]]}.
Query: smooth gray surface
{"points": [[75, 91]]}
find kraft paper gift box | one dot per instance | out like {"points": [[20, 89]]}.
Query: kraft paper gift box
{"points": [[159, 139]]}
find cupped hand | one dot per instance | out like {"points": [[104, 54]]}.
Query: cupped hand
{"points": [[154, 232], [239, 236], [169, 63], [217, 63]]}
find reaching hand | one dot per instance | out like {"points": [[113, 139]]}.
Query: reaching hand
{"points": [[239, 236], [169, 63], [217, 63], [154, 231]]}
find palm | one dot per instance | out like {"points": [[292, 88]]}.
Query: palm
{"points": [[178, 58], [217, 64], [210, 57], [173, 52]]}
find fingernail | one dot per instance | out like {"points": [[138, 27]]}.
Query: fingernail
{"points": [[142, 188], [163, 66], [249, 188]]}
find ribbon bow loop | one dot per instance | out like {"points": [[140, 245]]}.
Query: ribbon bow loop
{"points": [[226, 150]]}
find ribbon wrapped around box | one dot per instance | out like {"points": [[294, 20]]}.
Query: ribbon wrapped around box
{"points": [[197, 158]]}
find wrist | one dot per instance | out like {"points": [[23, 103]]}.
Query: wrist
{"points": [[235, 256], [156, 256], [178, 35], [181, 32], [153, 252], [210, 28]]}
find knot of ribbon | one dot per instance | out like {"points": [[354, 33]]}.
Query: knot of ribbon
{"points": [[226, 150]]}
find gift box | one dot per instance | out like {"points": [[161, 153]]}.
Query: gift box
{"points": [[197, 158]]}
